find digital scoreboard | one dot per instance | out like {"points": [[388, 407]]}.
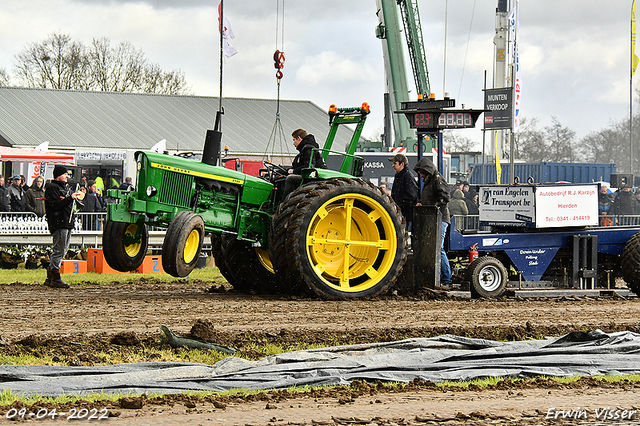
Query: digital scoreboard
{"points": [[437, 120]]}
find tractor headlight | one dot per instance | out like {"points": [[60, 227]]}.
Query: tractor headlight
{"points": [[151, 191]]}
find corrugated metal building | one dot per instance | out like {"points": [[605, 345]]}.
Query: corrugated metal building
{"points": [[73, 119], [103, 129]]}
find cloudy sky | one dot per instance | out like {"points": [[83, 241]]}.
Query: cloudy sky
{"points": [[574, 53]]}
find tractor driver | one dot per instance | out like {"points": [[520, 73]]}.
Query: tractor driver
{"points": [[307, 157]]}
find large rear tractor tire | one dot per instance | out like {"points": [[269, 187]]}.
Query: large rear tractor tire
{"points": [[630, 263], [216, 251], [123, 251], [249, 266], [345, 239], [182, 244], [487, 277]]}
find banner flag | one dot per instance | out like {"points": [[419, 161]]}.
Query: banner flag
{"points": [[634, 57], [227, 34], [498, 166]]}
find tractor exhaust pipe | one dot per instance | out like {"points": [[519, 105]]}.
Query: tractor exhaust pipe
{"points": [[212, 143]]}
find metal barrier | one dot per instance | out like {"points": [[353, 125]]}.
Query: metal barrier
{"points": [[472, 223]]}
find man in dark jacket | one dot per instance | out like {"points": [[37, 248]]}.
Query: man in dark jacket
{"points": [[34, 197], [307, 158], [435, 192], [15, 195], [404, 191], [625, 202], [4, 201], [59, 201]]}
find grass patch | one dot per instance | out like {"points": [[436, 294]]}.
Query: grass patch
{"points": [[31, 276]]}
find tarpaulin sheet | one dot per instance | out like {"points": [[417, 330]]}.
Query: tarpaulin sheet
{"points": [[435, 359]]}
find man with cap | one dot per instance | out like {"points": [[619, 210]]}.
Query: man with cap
{"points": [[15, 195], [4, 201], [404, 191], [59, 199]]}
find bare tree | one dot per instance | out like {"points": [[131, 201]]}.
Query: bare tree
{"points": [[530, 141], [455, 142], [61, 63], [57, 63], [4, 77]]}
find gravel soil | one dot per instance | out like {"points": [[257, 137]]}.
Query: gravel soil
{"points": [[34, 318]]}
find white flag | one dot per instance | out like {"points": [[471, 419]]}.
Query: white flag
{"points": [[227, 34], [514, 23]]}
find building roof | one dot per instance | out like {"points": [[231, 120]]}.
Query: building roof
{"points": [[70, 119]]}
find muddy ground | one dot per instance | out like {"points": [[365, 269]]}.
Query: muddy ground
{"points": [[121, 316]]}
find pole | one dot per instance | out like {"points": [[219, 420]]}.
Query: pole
{"points": [[221, 51], [484, 133]]}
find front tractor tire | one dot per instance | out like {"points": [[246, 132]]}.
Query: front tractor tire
{"points": [[487, 277], [124, 251], [345, 239], [182, 244]]}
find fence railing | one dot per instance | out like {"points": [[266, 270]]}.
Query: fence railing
{"points": [[471, 223]]}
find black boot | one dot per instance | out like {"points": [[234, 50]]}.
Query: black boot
{"points": [[56, 280], [47, 282]]}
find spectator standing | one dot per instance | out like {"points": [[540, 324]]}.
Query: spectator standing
{"points": [[404, 190], [625, 202], [471, 199], [15, 195], [385, 188], [92, 201], [34, 197], [60, 217], [637, 208], [457, 206], [23, 184], [435, 192], [127, 185], [605, 203], [4, 201]]}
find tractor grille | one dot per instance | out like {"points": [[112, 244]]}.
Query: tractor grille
{"points": [[176, 189]]}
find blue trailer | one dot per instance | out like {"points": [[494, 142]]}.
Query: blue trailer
{"points": [[543, 172], [520, 254]]}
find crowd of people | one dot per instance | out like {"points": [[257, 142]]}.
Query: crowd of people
{"points": [[623, 202], [17, 196]]}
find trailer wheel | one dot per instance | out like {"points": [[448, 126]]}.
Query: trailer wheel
{"points": [[631, 263], [345, 239], [182, 244], [250, 267], [487, 277], [216, 251], [124, 252]]}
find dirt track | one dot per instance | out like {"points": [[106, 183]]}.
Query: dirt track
{"points": [[141, 307]]}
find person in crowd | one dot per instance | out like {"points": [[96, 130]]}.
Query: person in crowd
{"points": [[15, 195], [305, 143], [127, 185], [471, 199], [435, 192], [404, 191], [93, 201], [4, 201], [459, 185], [637, 206], [59, 199], [465, 187], [605, 206], [23, 184], [625, 202], [457, 206], [99, 185], [34, 197], [385, 188]]}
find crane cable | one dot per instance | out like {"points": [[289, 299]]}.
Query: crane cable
{"points": [[277, 136]]}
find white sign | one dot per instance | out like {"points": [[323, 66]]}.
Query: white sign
{"points": [[512, 204], [96, 155], [558, 206]]}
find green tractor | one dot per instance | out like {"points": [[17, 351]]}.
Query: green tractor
{"points": [[336, 235]]}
